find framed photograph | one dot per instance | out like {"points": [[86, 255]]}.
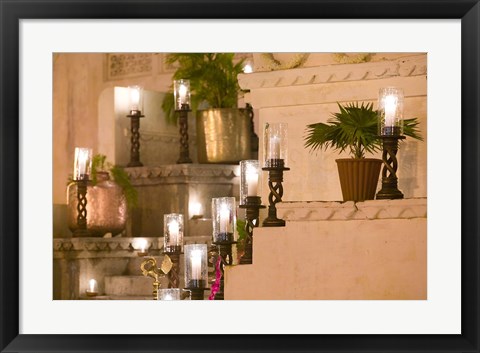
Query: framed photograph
{"points": [[118, 42]]}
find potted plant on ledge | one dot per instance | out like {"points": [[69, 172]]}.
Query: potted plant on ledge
{"points": [[355, 130], [223, 130]]}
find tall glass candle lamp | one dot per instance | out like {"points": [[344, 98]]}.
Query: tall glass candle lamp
{"points": [[224, 235], [181, 93], [390, 129], [173, 244], [251, 202], [135, 103], [275, 158], [196, 270], [81, 174]]}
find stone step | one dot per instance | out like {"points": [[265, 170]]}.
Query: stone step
{"points": [[140, 286]]}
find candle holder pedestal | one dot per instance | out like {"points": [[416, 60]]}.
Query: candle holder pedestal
{"points": [[275, 169], [135, 116], [81, 230], [252, 206], [226, 258], [173, 275], [197, 289], [183, 124], [389, 188]]}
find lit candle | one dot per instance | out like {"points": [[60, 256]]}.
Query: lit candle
{"points": [[196, 209], [247, 69], [173, 230], [182, 92], [143, 245], [224, 218], [134, 98], [196, 262], [251, 175], [167, 297], [92, 286], [274, 147], [390, 106]]}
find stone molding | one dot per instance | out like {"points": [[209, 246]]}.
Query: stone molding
{"points": [[115, 247], [341, 211], [402, 67], [126, 65], [214, 173]]}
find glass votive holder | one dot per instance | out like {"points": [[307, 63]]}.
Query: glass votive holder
{"points": [[275, 144], [173, 233], [196, 266], [169, 294], [135, 99], [249, 179], [82, 167], [181, 92], [390, 111], [224, 219]]}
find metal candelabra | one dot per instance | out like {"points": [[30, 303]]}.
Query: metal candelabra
{"points": [[183, 124], [81, 230], [252, 206], [389, 188]]}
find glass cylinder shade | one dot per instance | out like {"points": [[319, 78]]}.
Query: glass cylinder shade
{"points": [[390, 109], [249, 182], [224, 219], [135, 99], [196, 266], [275, 144], [82, 166], [169, 294], [181, 92], [173, 233]]}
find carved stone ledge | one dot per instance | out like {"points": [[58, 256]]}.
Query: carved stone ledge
{"points": [[183, 172], [403, 67], [335, 211]]}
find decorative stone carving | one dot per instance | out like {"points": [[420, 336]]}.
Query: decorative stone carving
{"points": [[121, 66], [373, 209]]}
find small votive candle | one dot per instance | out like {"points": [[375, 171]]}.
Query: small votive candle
{"points": [[169, 294], [142, 247], [173, 232], [92, 288]]}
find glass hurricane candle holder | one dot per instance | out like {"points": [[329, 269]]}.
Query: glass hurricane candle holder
{"points": [[173, 232], [223, 219], [249, 179], [181, 92], [275, 144], [169, 294], [196, 266], [390, 111], [135, 99], [82, 167]]}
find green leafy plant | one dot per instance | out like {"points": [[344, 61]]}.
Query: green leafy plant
{"points": [[117, 174], [242, 234], [353, 129], [213, 80]]}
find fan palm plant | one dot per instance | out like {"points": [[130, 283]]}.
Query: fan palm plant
{"points": [[353, 129]]}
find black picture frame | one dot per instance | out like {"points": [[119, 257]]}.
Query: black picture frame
{"points": [[11, 11]]}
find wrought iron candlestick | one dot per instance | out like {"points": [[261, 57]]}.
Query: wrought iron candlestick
{"points": [[252, 206], [275, 169], [135, 116], [183, 124], [389, 188], [81, 230]]}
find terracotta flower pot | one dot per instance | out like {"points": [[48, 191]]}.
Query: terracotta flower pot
{"points": [[358, 178]]}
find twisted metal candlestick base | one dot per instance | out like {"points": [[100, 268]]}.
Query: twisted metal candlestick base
{"points": [[135, 116], [275, 179], [252, 206], [389, 188], [81, 230], [225, 252], [183, 124]]}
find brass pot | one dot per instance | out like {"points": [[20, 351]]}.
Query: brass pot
{"points": [[106, 207], [223, 135], [358, 178]]}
